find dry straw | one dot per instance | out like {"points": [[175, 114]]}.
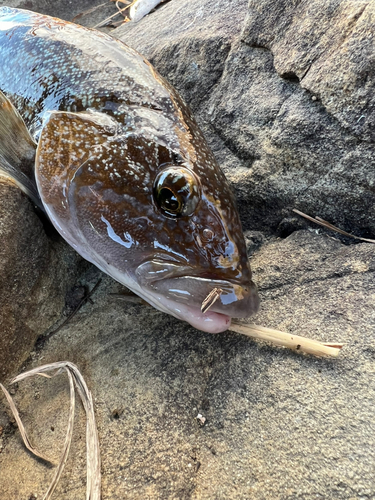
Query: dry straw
{"points": [[76, 381], [328, 225], [120, 10], [211, 298]]}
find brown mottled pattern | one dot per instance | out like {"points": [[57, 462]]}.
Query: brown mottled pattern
{"points": [[115, 123]]}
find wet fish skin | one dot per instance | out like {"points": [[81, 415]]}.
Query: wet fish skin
{"points": [[106, 123]]}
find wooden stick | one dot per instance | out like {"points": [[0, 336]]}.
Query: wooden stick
{"points": [[289, 340]]}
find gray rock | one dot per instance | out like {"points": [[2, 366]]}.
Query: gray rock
{"points": [[327, 47]]}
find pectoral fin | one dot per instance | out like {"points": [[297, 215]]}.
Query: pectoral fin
{"points": [[17, 151], [12, 175]]}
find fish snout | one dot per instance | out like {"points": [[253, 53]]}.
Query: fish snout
{"points": [[219, 296]]}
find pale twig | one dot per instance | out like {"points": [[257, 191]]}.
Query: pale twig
{"points": [[122, 10], [283, 339], [288, 340], [328, 225]]}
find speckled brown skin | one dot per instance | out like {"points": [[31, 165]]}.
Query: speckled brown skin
{"points": [[106, 124]]}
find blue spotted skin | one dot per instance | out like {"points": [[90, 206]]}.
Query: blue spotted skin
{"points": [[106, 123]]}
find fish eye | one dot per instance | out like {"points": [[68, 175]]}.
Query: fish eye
{"points": [[176, 191]]}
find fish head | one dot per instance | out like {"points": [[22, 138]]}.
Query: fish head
{"points": [[148, 204]]}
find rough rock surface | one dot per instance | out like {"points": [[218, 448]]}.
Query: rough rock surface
{"points": [[279, 425], [35, 276]]}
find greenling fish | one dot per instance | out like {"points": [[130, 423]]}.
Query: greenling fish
{"points": [[121, 168]]}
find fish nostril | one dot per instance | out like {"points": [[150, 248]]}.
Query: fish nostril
{"points": [[208, 234]]}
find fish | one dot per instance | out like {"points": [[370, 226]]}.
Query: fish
{"points": [[113, 155]]}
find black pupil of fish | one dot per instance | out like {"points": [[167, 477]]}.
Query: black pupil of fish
{"points": [[168, 200]]}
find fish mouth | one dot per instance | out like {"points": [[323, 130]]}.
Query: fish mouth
{"points": [[211, 322], [181, 291]]}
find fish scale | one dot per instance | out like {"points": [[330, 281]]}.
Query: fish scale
{"points": [[121, 168], [62, 75]]}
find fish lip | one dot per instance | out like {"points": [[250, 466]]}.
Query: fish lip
{"points": [[210, 322], [180, 269]]}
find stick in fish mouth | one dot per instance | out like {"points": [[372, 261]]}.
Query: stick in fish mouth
{"points": [[211, 298]]}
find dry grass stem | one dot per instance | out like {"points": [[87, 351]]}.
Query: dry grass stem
{"points": [[328, 225], [92, 440], [89, 11], [120, 11], [67, 443], [211, 298], [289, 340], [21, 427], [128, 3]]}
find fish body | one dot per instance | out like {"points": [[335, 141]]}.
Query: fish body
{"points": [[122, 169]]}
